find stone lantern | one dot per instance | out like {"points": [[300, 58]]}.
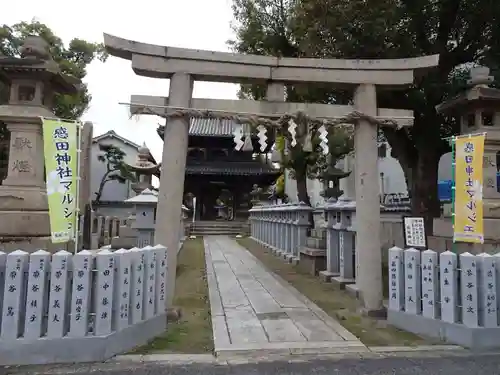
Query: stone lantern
{"points": [[144, 169], [145, 209], [478, 110], [33, 80]]}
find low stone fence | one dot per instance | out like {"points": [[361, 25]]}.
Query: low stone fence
{"points": [[103, 230], [281, 227], [90, 306], [447, 296]]}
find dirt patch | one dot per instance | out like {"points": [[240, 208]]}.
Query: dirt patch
{"points": [[192, 333], [336, 303]]}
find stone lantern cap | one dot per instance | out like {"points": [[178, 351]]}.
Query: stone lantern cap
{"points": [[143, 164], [478, 92], [37, 63], [146, 197]]}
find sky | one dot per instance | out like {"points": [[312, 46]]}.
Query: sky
{"points": [[199, 24]]}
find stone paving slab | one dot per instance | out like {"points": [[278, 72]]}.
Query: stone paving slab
{"points": [[253, 310]]}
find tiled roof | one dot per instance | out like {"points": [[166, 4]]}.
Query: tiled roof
{"points": [[211, 127], [207, 127], [230, 168]]}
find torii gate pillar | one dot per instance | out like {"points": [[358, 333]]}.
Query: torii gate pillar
{"points": [[173, 166], [368, 252]]}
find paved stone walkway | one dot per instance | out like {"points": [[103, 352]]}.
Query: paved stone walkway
{"points": [[253, 310]]}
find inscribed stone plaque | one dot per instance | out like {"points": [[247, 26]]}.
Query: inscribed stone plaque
{"points": [[104, 291], [449, 286], [14, 292], [469, 292], [161, 278], [430, 284], [396, 279], [137, 285], [58, 321], [150, 282], [36, 293], [488, 316], [413, 303], [3, 261], [83, 263], [122, 289]]}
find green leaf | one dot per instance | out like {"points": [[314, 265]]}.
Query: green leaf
{"points": [[73, 59]]}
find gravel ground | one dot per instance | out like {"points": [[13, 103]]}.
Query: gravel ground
{"points": [[447, 364]]}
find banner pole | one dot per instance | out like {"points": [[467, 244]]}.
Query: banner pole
{"points": [[453, 183], [79, 128]]}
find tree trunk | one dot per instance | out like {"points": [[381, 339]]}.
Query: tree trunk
{"points": [[301, 180], [87, 227], [98, 193], [424, 197], [302, 195]]}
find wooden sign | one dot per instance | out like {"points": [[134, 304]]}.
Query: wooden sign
{"points": [[414, 232]]}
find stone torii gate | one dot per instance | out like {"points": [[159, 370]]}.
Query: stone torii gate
{"points": [[184, 66]]}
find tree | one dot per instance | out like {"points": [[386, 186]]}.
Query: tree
{"points": [[73, 60], [116, 169], [306, 159], [462, 32], [264, 27]]}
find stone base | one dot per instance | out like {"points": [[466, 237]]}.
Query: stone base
{"points": [[123, 243], [277, 252], [312, 260], [23, 198], [79, 349], [479, 338], [443, 227], [377, 314], [293, 259], [31, 245], [353, 290], [24, 224], [326, 276], [128, 232], [342, 282]]}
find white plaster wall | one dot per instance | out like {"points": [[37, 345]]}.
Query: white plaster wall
{"points": [[394, 181], [445, 171], [113, 190], [393, 176]]}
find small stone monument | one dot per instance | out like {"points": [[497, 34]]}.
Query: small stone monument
{"points": [[478, 110], [33, 80]]}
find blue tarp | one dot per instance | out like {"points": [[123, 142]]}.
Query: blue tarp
{"points": [[444, 190]]}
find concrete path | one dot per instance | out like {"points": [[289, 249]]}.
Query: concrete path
{"points": [[255, 311]]}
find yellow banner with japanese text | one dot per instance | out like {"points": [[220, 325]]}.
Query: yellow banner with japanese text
{"points": [[468, 210], [60, 141]]}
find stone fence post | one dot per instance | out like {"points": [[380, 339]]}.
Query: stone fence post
{"points": [[347, 242], [283, 228], [333, 226]]}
